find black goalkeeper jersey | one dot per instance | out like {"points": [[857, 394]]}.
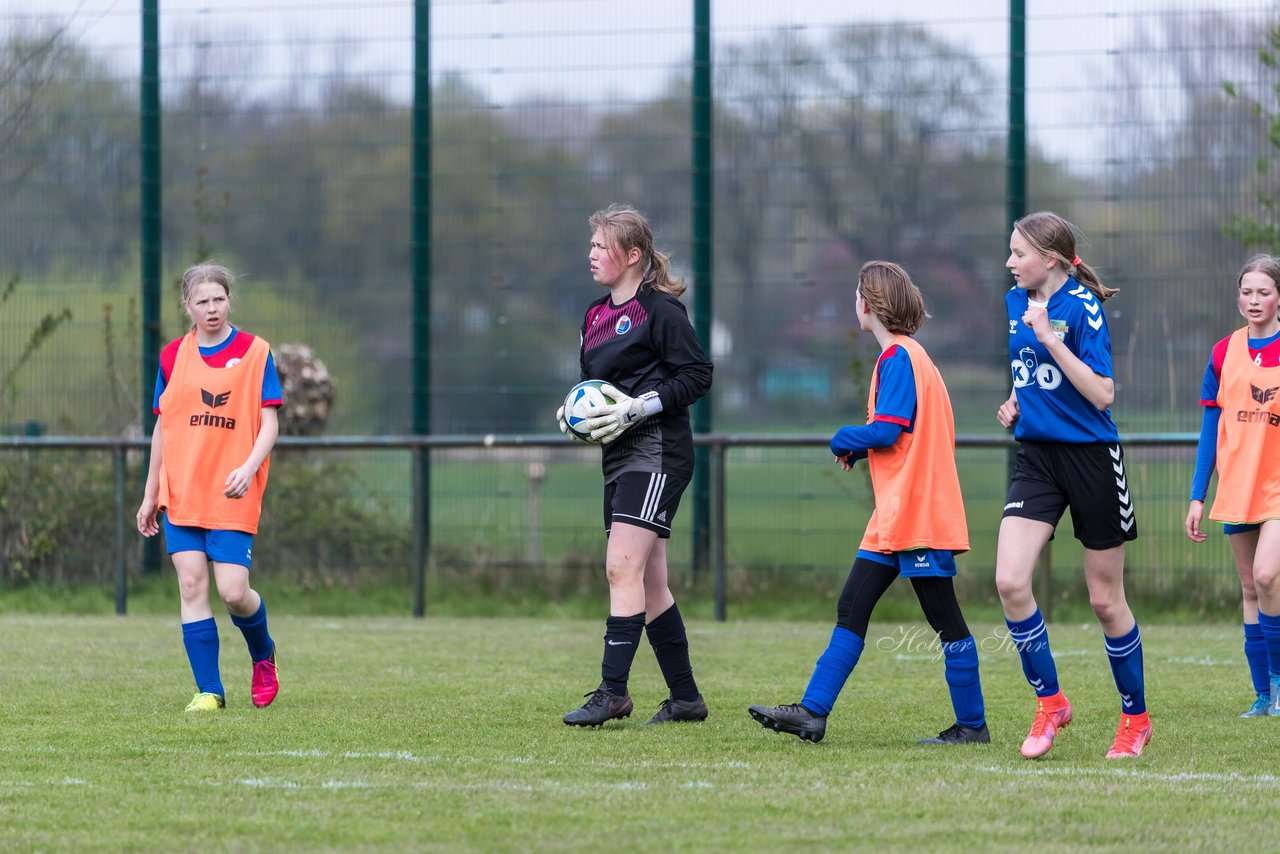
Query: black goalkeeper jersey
{"points": [[647, 344]]}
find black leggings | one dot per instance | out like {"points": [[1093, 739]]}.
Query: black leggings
{"points": [[868, 581]]}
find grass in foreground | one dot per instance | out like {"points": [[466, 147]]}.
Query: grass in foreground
{"points": [[445, 734]]}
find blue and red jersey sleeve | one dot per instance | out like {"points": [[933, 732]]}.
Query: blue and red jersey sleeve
{"points": [[220, 356]]}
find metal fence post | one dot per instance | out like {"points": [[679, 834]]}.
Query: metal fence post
{"points": [[121, 564], [718, 526]]}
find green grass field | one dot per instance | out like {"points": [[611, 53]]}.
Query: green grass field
{"points": [[444, 734]]}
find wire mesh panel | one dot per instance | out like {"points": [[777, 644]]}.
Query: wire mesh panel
{"points": [[841, 132]]}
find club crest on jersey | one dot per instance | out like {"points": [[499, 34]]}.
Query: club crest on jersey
{"points": [[1059, 328], [623, 326]]}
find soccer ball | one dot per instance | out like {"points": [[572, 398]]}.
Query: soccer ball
{"points": [[579, 402]]}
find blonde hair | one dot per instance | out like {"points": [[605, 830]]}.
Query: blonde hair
{"points": [[891, 295], [199, 274], [1053, 237], [626, 229]]}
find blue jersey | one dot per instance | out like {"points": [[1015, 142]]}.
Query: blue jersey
{"points": [[1051, 409]]}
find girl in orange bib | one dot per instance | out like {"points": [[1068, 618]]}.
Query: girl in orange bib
{"points": [[918, 525], [1240, 437], [216, 401]]}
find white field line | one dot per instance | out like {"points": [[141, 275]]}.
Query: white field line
{"points": [[1268, 781], [405, 756]]}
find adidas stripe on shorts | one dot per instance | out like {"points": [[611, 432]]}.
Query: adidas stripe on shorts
{"points": [[645, 499]]}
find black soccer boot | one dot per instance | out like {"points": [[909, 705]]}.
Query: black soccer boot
{"points": [[793, 718], [602, 705], [680, 710], [960, 734]]}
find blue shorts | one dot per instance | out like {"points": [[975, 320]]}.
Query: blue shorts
{"points": [[219, 546], [1228, 528], [918, 563]]}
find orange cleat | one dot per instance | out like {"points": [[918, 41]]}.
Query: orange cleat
{"points": [[1052, 713], [1133, 734]]}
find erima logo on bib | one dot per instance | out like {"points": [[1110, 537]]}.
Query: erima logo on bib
{"points": [[213, 401], [1262, 395], [623, 326]]}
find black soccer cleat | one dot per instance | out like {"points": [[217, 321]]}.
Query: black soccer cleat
{"points": [[602, 705], [794, 718], [680, 711], [960, 734]]}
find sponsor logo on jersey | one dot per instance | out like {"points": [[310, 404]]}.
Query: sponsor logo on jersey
{"points": [[1262, 395], [623, 326], [1258, 416], [208, 419], [1059, 328], [1013, 505], [1013, 326]]}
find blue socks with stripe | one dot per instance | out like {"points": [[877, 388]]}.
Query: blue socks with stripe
{"points": [[832, 670], [1125, 655], [962, 681], [254, 629], [1031, 637], [201, 640], [1255, 652]]}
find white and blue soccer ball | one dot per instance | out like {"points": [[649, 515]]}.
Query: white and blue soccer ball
{"points": [[578, 406]]}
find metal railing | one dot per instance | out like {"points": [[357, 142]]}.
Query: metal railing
{"points": [[717, 445]]}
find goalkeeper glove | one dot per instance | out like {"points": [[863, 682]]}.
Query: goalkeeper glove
{"points": [[625, 411]]}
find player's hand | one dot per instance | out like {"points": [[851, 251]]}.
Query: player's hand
{"points": [[237, 483], [1008, 411], [564, 425], [1194, 515], [614, 419], [1037, 320], [846, 461], [148, 523]]}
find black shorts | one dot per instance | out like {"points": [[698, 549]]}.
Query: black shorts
{"points": [[645, 499], [1090, 479]]}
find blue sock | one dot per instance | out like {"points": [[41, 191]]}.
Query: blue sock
{"points": [[1255, 652], [963, 683], [254, 629], [1270, 625], [201, 640], [1031, 637], [833, 668], [1125, 655]]}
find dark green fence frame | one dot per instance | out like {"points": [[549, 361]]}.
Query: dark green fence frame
{"points": [[717, 446]]}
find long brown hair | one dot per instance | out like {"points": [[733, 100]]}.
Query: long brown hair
{"points": [[626, 229], [891, 295], [1268, 265], [1054, 237]]}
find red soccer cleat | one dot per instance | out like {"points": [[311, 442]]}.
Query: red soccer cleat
{"points": [[1052, 713], [1133, 734]]}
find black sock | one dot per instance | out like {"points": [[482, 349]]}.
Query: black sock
{"points": [[671, 646], [621, 636]]}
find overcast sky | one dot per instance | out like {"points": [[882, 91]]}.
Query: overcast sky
{"points": [[591, 49]]}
